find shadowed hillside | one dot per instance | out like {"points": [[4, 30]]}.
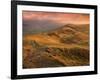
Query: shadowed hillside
{"points": [[64, 46]]}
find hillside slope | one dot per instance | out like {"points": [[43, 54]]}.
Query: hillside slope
{"points": [[64, 46]]}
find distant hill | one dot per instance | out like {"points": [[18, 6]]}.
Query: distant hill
{"points": [[36, 26], [69, 34]]}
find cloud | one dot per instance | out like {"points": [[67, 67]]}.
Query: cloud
{"points": [[57, 17]]}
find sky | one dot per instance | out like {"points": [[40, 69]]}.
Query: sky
{"points": [[57, 17], [35, 20]]}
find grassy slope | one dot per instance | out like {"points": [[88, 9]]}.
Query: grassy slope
{"points": [[66, 46]]}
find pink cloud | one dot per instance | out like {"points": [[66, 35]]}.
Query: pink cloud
{"points": [[57, 17]]}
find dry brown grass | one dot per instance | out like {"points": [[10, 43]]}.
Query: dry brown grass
{"points": [[61, 48]]}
